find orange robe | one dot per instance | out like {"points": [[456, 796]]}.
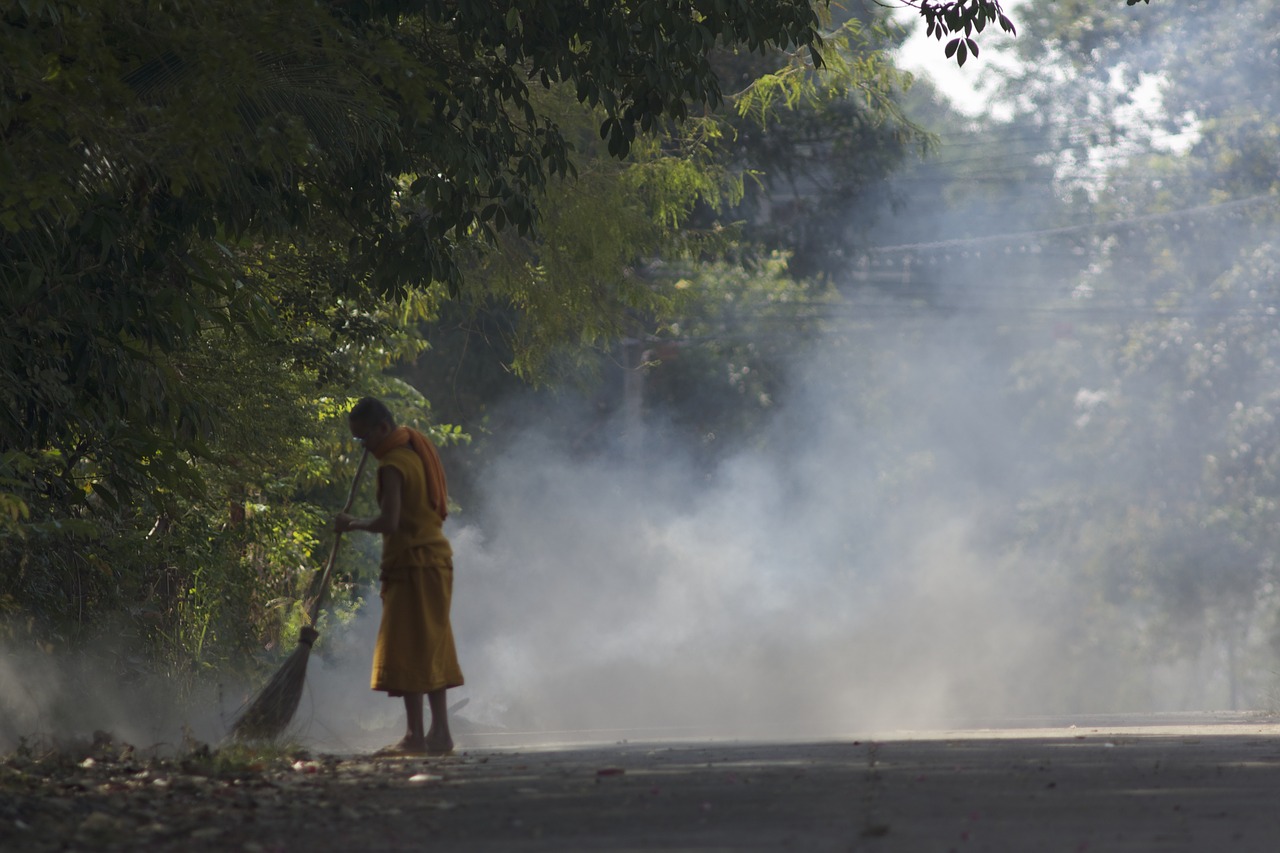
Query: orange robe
{"points": [[415, 651]]}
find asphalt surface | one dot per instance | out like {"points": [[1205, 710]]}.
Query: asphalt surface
{"points": [[1195, 783], [1178, 783]]}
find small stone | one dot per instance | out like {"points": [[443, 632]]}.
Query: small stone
{"points": [[99, 823]]}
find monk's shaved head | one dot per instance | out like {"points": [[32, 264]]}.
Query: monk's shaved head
{"points": [[371, 411]]}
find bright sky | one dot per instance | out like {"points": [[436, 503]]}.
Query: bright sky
{"points": [[968, 87], [925, 57]]}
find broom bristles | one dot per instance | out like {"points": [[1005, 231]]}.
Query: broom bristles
{"points": [[271, 711]]}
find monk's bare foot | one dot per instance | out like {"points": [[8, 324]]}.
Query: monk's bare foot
{"points": [[439, 746], [406, 746]]}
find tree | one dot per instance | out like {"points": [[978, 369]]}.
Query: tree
{"points": [[958, 20], [147, 149], [816, 156], [1166, 419], [143, 143], [214, 205], [621, 249]]}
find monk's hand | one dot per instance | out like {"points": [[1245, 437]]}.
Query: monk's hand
{"points": [[343, 522]]}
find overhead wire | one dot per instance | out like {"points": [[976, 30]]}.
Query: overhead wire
{"points": [[1010, 157], [1087, 126], [1046, 245], [1109, 225]]}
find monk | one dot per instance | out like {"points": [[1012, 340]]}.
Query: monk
{"points": [[415, 654]]}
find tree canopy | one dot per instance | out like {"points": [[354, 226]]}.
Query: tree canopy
{"points": [[1156, 394], [152, 152], [219, 223]]}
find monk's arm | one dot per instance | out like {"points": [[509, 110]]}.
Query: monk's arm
{"points": [[390, 485]]}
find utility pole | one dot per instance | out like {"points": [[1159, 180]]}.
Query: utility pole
{"points": [[632, 397]]}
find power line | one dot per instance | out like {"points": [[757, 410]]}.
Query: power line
{"points": [[1032, 236], [1082, 130]]}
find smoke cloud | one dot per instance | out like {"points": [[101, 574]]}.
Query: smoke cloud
{"points": [[851, 573], [861, 566]]}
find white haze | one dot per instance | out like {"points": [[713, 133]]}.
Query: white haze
{"points": [[846, 576], [843, 577], [848, 573]]}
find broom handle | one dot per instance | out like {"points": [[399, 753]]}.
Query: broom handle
{"points": [[337, 537]]}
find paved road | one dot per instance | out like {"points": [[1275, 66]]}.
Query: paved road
{"points": [[1194, 784], [1177, 786]]}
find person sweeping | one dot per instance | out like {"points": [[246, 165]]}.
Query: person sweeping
{"points": [[415, 654]]}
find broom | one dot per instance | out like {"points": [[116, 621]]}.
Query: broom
{"points": [[273, 708]]}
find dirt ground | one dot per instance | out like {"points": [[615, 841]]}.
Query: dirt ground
{"points": [[1180, 783]]}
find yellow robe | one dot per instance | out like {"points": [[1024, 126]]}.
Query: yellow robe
{"points": [[415, 651]]}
